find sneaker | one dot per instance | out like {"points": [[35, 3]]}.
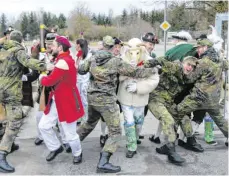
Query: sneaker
{"points": [[212, 143]]}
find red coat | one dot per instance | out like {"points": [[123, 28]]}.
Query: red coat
{"points": [[67, 97]]}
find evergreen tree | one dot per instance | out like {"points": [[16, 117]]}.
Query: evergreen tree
{"points": [[3, 23], [124, 17], [62, 21], [24, 25]]}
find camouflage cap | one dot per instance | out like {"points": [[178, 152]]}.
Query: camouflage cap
{"points": [[203, 42], [191, 60], [16, 36], [108, 41]]}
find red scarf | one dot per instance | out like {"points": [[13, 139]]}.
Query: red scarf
{"points": [[79, 54], [140, 63]]}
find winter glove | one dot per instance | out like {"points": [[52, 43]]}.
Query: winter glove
{"points": [[131, 87], [49, 66], [42, 56], [24, 78], [173, 111]]}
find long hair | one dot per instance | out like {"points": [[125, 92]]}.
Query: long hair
{"points": [[84, 47]]}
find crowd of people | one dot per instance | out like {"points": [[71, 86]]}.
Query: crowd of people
{"points": [[76, 92]]}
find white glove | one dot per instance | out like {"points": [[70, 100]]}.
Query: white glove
{"points": [[42, 56], [24, 78], [131, 87], [41, 76], [49, 67]]}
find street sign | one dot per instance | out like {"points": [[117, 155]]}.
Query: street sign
{"points": [[165, 26]]}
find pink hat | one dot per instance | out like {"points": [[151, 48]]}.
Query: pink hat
{"points": [[63, 40]]}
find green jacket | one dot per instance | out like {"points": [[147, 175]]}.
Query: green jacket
{"points": [[12, 62], [180, 51], [104, 68]]}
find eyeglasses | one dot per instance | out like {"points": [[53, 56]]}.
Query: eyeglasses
{"points": [[50, 36]]}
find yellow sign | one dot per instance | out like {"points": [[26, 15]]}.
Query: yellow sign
{"points": [[165, 26]]}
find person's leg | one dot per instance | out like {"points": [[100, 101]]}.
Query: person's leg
{"points": [[111, 115], [39, 138], [86, 128], [130, 130], [73, 140], [14, 118], [168, 126], [46, 125]]}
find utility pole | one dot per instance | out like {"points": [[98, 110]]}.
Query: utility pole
{"points": [[165, 31]]}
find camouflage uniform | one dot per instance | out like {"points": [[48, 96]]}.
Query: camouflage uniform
{"points": [[12, 62], [207, 88], [104, 69], [161, 100]]}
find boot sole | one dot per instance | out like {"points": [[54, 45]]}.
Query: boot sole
{"points": [[178, 164], [198, 151], [106, 171], [4, 171]]}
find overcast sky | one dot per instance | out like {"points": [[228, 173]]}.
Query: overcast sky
{"points": [[15, 7]]}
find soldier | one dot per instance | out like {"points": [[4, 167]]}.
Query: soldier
{"points": [[104, 68], [161, 101], [12, 62], [207, 88]]}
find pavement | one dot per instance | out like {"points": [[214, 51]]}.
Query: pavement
{"points": [[30, 159]]}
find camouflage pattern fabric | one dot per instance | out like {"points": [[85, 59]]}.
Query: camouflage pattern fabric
{"points": [[104, 69], [207, 88], [12, 62], [111, 116], [14, 114]]}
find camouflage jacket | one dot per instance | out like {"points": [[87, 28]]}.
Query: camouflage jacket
{"points": [[208, 82], [172, 80], [104, 68], [12, 63]]}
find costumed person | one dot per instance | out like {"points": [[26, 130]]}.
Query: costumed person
{"points": [[12, 63], [104, 68], [83, 80], [64, 94], [149, 41], [133, 95], [117, 52], [161, 103]]}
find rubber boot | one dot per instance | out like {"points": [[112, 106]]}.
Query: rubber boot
{"points": [[193, 145], [104, 166], [174, 157], [4, 165]]}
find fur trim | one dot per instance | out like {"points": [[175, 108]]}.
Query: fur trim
{"points": [[62, 64], [183, 35]]}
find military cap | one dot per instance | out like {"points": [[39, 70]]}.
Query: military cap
{"points": [[204, 42], [50, 37], [9, 30], [190, 59], [108, 41], [16, 36], [149, 37]]}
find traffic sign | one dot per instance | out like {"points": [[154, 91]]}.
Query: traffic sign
{"points": [[165, 25]]}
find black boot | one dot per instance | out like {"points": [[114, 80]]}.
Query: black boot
{"points": [[130, 154], [52, 155], [38, 141], [104, 166], [103, 140], [14, 147], [226, 143], [181, 143], [155, 140], [4, 165], [164, 150], [77, 159], [67, 148], [174, 157], [193, 145], [139, 142], [141, 137]]}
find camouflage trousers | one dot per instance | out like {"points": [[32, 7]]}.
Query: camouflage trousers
{"points": [[168, 122], [133, 121], [14, 122], [111, 115], [213, 111]]}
